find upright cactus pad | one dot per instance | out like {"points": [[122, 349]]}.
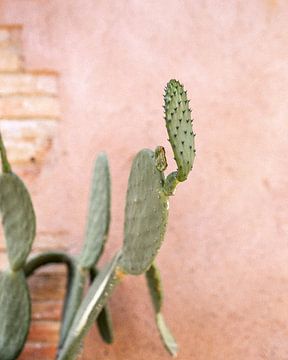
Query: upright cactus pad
{"points": [[98, 215], [90, 308], [14, 314], [179, 127], [146, 214], [18, 219]]}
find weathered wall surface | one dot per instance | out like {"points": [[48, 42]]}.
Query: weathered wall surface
{"points": [[224, 262]]}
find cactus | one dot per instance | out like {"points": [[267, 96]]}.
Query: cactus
{"points": [[19, 225], [97, 228], [90, 308], [18, 219], [156, 292], [180, 132], [15, 313], [146, 216], [98, 215]]}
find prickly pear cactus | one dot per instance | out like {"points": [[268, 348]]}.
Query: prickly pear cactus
{"points": [[96, 235], [14, 314], [146, 214], [90, 308], [179, 127], [99, 214], [18, 219], [156, 292]]}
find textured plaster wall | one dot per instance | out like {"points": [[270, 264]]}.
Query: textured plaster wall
{"points": [[225, 259]]}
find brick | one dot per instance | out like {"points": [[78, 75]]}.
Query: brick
{"points": [[29, 140], [44, 332], [10, 59], [28, 83], [47, 286], [29, 106], [47, 310], [33, 351]]}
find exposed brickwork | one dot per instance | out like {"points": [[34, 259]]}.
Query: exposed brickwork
{"points": [[28, 82], [29, 113], [26, 99]]}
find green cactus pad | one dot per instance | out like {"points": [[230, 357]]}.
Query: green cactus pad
{"points": [[156, 292], [99, 214], [104, 320], [89, 310], [155, 287], [18, 219], [146, 214], [73, 301], [14, 314], [179, 127]]}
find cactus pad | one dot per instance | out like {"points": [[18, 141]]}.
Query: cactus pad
{"points": [[99, 214], [146, 214], [14, 315], [18, 219], [179, 127], [156, 292], [89, 310]]}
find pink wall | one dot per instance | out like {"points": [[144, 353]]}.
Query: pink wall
{"points": [[225, 259]]}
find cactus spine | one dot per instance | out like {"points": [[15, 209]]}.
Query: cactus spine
{"points": [[146, 216]]}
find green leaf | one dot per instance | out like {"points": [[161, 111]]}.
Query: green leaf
{"points": [[14, 314], [146, 214], [156, 291], [98, 215], [89, 310], [18, 219]]}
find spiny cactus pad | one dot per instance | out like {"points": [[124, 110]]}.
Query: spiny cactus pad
{"points": [[73, 301], [104, 320], [146, 214], [18, 219], [156, 292], [179, 127], [14, 315], [99, 214], [90, 308]]}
